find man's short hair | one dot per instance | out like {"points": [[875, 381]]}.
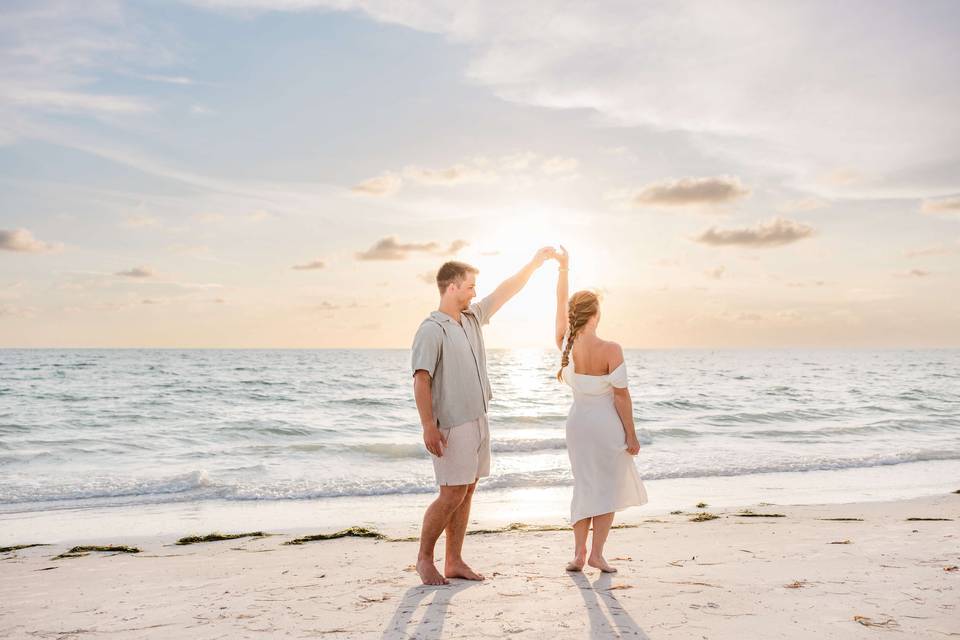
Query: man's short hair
{"points": [[453, 272]]}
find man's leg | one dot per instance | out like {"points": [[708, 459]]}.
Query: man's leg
{"points": [[435, 521], [454, 566]]}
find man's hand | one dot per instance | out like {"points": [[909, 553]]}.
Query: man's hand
{"points": [[542, 255], [434, 441]]}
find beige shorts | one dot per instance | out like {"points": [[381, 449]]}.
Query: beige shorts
{"points": [[466, 457]]}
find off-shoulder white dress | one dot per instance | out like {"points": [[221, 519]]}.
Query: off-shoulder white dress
{"points": [[605, 478]]}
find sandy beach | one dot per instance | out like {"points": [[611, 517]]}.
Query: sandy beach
{"points": [[826, 571]]}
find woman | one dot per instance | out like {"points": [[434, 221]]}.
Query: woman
{"points": [[601, 438]]}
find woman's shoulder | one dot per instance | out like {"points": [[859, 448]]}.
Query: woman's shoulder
{"points": [[613, 353]]}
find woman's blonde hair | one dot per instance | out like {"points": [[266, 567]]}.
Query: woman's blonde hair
{"points": [[582, 306]]}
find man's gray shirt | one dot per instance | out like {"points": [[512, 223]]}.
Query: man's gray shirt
{"points": [[453, 354]]}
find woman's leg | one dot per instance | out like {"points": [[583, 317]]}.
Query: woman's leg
{"points": [[580, 529], [601, 529]]}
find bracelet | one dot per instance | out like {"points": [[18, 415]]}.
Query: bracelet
{"points": [[560, 269]]}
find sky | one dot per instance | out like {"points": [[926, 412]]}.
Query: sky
{"points": [[291, 174]]}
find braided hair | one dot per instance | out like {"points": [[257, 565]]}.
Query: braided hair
{"points": [[582, 306]]}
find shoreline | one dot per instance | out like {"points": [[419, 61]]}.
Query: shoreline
{"points": [[398, 515], [856, 565]]}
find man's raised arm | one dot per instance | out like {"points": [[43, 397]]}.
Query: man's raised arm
{"points": [[512, 285]]}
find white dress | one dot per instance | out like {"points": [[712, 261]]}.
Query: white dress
{"points": [[605, 478]]}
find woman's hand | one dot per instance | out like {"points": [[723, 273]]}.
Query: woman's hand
{"points": [[562, 257], [633, 445]]}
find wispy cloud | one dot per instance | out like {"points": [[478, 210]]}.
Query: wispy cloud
{"points": [[455, 247], [380, 186], [558, 165], [913, 273], [313, 265], [802, 204], [391, 249], [22, 240], [934, 250], [481, 169], [685, 192], [137, 272], [942, 206], [742, 104], [140, 220], [774, 233]]}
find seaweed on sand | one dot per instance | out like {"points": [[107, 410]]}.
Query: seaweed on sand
{"points": [[352, 532], [77, 552], [216, 536]]}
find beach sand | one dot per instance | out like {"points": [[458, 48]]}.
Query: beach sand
{"points": [[797, 576]]}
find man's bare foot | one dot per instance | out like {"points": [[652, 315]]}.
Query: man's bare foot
{"points": [[429, 574], [599, 563], [460, 570], [577, 563]]}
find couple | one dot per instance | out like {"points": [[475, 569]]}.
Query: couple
{"points": [[453, 393]]}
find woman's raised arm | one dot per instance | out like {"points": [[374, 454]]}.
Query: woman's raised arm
{"points": [[563, 292]]}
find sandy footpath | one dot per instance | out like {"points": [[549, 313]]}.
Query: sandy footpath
{"points": [[797, 576]]}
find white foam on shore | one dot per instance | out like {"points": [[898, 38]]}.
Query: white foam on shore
{"points": [[400, 514]]}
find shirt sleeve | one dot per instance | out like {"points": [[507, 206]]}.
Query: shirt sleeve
{"points": [[427, 346], [618, 377], [483, 309]]}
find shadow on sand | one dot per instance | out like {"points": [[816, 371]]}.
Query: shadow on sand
{"points": [[608, 618], [434, 616]]}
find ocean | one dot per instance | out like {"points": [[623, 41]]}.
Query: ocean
{"points": [[159, 433]]}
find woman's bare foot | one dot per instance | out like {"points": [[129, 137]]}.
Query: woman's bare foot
{"points": [[598, 562], [429, 574], [577, 563], [460, 570]]}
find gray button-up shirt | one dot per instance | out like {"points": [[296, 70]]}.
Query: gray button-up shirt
{"points": [[453, 354]]}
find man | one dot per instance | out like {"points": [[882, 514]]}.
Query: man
{"points": [[453, 393]]}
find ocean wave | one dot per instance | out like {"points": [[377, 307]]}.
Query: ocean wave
{"points": [[198, 485]]}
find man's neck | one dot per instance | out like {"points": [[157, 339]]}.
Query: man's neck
{"points": [[451, 309]]}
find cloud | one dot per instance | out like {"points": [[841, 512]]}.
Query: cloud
{"points": [[842, 177], [140, 220], [201, 110], [774, 233], [390, 249], [51, 53], [913, 273], [690, 191], [22, 240], [802, 204], [455, 247], [72, 101], [763, 84], [480, 169], [380, 186], [942, 205], [429, 277], [935, 250], [309, 266], [449, 176], [559, 164], [716, 273], [137, 272]]}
